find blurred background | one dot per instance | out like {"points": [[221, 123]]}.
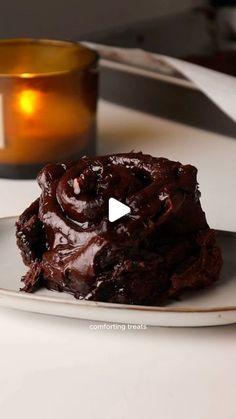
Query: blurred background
{"points": [[183, 28], [199, 31], [75, 18]]}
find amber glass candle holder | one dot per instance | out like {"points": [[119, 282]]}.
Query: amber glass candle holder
{"points": [[48, 96]]}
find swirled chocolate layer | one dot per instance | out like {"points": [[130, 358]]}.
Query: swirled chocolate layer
{"points": [[162, 248]]}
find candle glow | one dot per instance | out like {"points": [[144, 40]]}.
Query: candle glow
{"points": [[26, 75], [28, 101]]}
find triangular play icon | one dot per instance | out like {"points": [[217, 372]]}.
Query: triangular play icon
{"points": [[116, 209]]}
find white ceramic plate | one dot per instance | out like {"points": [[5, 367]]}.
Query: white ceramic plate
{"points": [[214, 306]]}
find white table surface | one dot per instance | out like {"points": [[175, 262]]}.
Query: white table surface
{"points": [[59, 368]]}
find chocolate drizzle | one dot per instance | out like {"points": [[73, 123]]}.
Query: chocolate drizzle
{"points": [[163, 247]]}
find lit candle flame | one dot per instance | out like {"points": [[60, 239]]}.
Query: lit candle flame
{"points": [[28, 100]]}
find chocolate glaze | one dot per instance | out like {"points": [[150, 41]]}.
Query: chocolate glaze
{"points": [[162, 248]]}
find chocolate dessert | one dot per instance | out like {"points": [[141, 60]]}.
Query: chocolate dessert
{"points": [[162, 248]]}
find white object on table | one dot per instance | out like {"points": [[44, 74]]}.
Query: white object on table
{"points": [[62, 368], [218, 87]]}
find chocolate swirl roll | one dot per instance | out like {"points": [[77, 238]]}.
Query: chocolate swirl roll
{"points": [[162, 248]]}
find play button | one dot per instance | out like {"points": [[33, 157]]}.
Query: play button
{"points": [[116, 209]]}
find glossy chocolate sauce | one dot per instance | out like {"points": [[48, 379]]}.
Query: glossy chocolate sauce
{"points": [[162, 248]]}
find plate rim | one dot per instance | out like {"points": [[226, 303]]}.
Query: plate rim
{"points": [[100, 304]]}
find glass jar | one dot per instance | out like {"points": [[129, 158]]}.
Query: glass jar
{"points": [[48, 97]]}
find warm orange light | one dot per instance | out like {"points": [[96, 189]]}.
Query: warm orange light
{"points": [[26, 75], [28, 101]]}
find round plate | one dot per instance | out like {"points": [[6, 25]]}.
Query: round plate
{"points": [[213, 306]]}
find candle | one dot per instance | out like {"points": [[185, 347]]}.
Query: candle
{"points": [[48, 95], [2, 136]]}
